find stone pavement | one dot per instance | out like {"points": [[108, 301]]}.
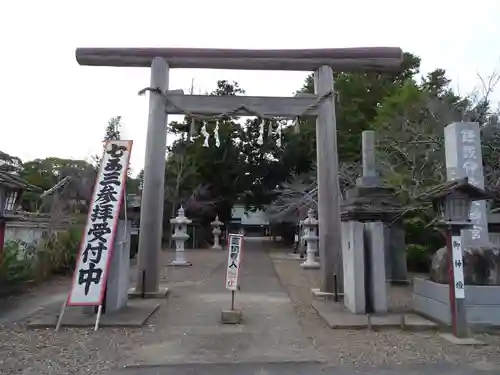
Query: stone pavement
{"points": [[270, 330]]}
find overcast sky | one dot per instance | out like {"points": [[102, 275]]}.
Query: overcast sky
{"points": [[51, 106]]}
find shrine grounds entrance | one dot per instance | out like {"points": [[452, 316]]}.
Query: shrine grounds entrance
{"points": [[162, 102]]}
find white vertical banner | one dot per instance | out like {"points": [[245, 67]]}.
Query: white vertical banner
{"points": [[235, 248], [458, 266], [92, 264]]}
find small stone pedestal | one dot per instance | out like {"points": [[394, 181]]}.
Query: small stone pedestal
{"points": [[310, 225], [180, 236], [231, 316], [216, 224]]}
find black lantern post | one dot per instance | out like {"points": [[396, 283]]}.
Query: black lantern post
{"points": [[452, 202]]}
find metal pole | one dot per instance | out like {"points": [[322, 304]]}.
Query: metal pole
{"points": [[456, 282], [98, 318], [335, 289], [451, 282], [61, 314], [143, 291], [232, 299]]}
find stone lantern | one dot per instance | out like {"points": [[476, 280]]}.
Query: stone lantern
{"points": [[216, 224], [180, 237], [452, 203], [310, 225]]}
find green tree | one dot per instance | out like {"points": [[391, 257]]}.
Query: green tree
{"points": [[9, 163], [358, 96], [46, 173], [114, 128]]}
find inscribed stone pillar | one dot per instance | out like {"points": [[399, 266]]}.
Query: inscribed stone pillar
{"points": [[395, 254], [354, 266], [375, 244], [370, 176], [151, 224], [118, 277], [464, 159]]}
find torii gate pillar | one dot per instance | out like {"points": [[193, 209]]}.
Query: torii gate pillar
{"points": [[330, 241], [151, 224]]}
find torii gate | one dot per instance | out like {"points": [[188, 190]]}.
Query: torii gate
{"points": [[163, 102]]}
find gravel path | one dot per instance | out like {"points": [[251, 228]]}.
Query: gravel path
{"points": [[82, 351], [367, 348]]}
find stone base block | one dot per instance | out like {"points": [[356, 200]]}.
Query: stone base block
{"points": [[310, 265], [316, 292], [161, 293], [177, 263], [231, 316], [134, 315], [461, 340], [336, 316]]}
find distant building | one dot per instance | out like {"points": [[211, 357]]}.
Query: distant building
{"points": [[253, 223]]}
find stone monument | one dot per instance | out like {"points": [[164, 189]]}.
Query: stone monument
{"points": [[369, 201], [481, 256], [464, 159], [216, 231], [354, 264], [369, 261], [310, 225], [180, 237]]}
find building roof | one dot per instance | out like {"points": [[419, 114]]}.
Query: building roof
{"points": [[11, 181]]}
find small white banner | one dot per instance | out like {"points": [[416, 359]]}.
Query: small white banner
{"points": [[235, 247], [458, 266], [92, 264]]}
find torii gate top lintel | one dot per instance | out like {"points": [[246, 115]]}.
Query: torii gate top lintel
{"points": [[339, 59]]}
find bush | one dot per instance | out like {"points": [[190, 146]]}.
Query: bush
{"points": [[418, 257], [16, 265], [417, 231], [58, 252]]}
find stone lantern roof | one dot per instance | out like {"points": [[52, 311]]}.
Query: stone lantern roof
{"points": [[461, 186]]}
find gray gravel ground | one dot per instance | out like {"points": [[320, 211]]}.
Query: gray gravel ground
{"points": [[363, 347], [80, 351]]}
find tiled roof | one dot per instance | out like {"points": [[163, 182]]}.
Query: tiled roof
{"points": [[12, 181]]}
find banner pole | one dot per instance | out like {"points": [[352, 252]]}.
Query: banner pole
{"points": [[61, 314], [98, 318]]}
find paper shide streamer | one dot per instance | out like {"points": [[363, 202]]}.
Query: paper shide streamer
{"points": [[205, 134], [278, 141], [216, 134], [260, 140]]}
